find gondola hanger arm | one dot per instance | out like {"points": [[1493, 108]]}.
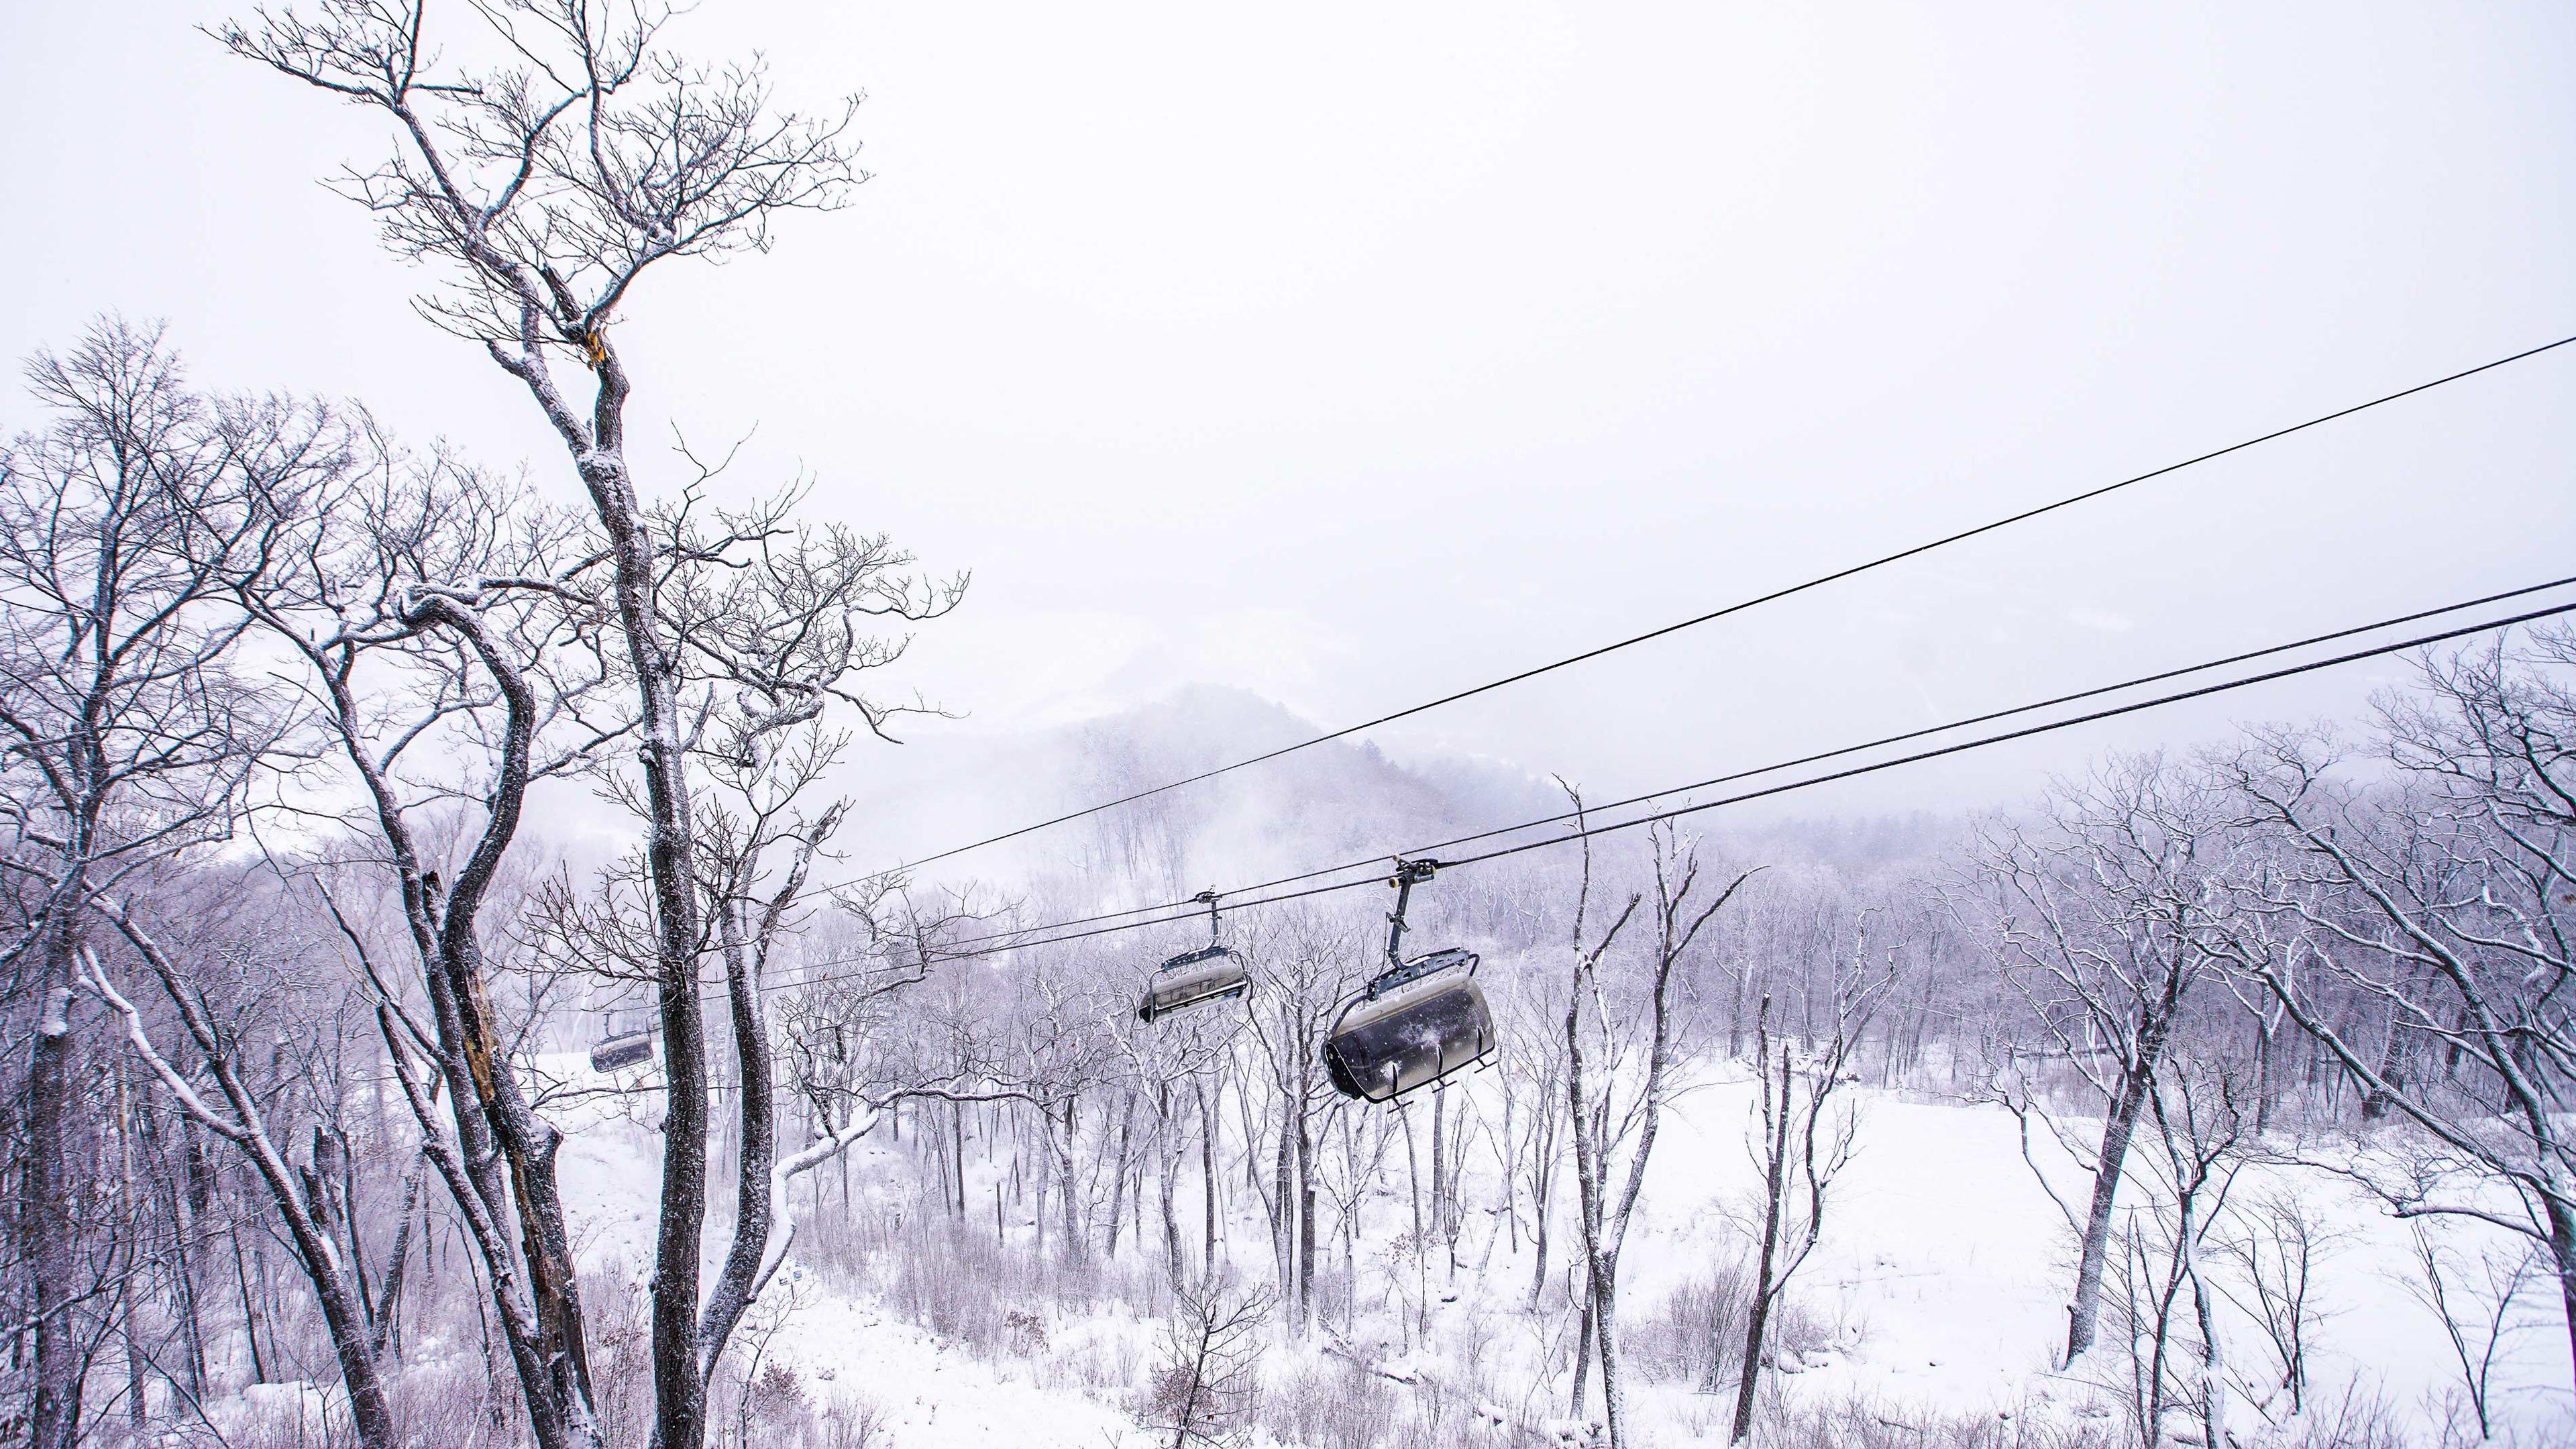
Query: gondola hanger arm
{"points": [[1208, 898], [1408, 874]]}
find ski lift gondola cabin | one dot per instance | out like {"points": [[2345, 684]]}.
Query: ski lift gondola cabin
{"points": [[622, 1048], [1213, 972], [1414, 1026], [1194, 978], [1418, 1023]]}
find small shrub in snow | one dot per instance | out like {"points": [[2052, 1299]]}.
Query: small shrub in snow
{"points": [[1025, 1331], [2359, 1418], [621, 1351], [1698, 1334], [857, 1423], [1204, 1388], [1331, 1406], [777, 1398], [1870, 1423]]}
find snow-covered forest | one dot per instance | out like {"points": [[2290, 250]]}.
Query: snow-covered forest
{"points": [[458, 987]]}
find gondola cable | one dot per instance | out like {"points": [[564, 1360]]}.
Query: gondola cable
{"points": [[1959, 747], [1376, 862], [1738, 607], [1035, 936]]}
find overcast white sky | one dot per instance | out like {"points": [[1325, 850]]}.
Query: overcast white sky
{"points": [[1354, 353]]}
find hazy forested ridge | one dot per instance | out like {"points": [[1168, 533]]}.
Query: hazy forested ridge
{"points": [[447, 1001]]}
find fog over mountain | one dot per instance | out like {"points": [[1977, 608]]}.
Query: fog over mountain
{"points": [[1318, 806], [1328, 804]]}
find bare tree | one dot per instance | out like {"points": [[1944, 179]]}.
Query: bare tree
{"points": [[1352, 1166], [547, 183], [2200, 1125], [853, 1067], [196, 993], [1804, 1138], [2446, 902], [1614, 1130], [440, 626], [1211, 1368], [1304, 965], [1065, 1049], [755, 906], [2099, 924], [1535, 1103], [1166, 1061], [2475, 1300], [2280, 1245], [126, 737], [1588, 1107]]}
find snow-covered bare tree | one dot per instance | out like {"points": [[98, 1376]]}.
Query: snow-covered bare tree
{"points": [[227, 994], [1210, 1372], [546, 177], [2473, 1294], [2098, 918], [1587, 1124], [441, 625], [1530, 1017], [127, 736], [2198, 1109], [1064, 1052], [1304, 964], [1621, 1076], [1804, 1132], [2278, 1248], [2447, 900], [1621, 1073], [1170, 1061]]}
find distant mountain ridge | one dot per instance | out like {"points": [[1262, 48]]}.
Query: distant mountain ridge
{"points": [[1332, 802]]}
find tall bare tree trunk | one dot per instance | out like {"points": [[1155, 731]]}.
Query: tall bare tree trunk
{"points": [[1058, 1180], [179, 1269], [54, 1417], [1283, 1192], [679, 1385], [397, 1264], [2083, 1312], [758, 1120], [1305, 1224], [1207, 1175], [1775, 1167], [1543, 1181], [1167, 1162], [1118, 1177], [2213, 1356], [528, 1142], [1600, 1259]]}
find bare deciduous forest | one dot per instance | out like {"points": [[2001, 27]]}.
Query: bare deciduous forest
{"points": [[443, 1005]]}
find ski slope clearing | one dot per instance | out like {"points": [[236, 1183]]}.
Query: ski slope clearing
{"points": [[1933, 1308]]}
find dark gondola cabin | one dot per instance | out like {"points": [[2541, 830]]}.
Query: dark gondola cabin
{"points": [[617, 1049], [1414, 1026]]}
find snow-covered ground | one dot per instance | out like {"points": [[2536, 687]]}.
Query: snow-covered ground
{"points": [[1937, 1293], [1952, 1263]]}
